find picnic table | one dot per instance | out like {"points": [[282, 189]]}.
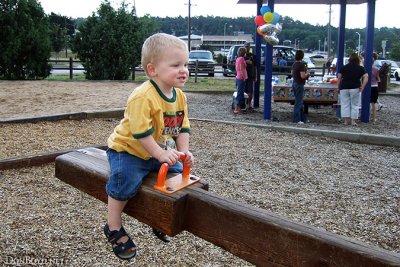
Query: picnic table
{"points": [[314, 94]]}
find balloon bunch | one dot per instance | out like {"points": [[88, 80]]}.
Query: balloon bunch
{"points": [[268, 25]]}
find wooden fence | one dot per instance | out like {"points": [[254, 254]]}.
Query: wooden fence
{"points": [[74, 65]]}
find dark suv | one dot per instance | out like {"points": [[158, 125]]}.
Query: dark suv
{"points": [[204, 60], [279, 51]]}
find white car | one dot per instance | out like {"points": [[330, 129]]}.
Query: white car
{"points": [[310, 65], [396, 74], [334, 62], [394, 67]]}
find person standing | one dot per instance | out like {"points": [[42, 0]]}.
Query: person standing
{"points": [[300, 75], [251, 74], [375, 79], [352, 79], [328, 65], [241, 77]]}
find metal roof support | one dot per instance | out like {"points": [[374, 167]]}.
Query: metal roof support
{"points": [[256, 96], [268, 74], [341, 34], [366, 95]]}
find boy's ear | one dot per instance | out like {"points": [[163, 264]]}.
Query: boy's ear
{"points": [[151, 70]]}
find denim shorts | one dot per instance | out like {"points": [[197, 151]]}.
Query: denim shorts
{"points": [[128, 171]]}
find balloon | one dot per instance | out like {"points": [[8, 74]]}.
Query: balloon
{"points": [[259, 31], [264, 9], [267, 25], [268, 28], [259, 20], [276, 18], [268, 17], [271, 39], [278, 28]]}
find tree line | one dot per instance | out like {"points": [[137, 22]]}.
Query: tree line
{"points": [[109, 41]]}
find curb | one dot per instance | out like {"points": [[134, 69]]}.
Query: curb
{"points": [[38, 159], [112, 113], [361, 138]]}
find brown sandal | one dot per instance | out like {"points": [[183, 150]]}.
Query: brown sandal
{"points": [[163, 237], [124, 251]]}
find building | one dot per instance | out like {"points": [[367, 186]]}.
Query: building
{"points": [[217, 42]]}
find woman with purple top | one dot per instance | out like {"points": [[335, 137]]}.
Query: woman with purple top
{"points": [[375, 79]]}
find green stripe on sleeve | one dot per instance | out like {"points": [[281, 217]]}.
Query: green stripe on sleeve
{"points": [[138, 136]]}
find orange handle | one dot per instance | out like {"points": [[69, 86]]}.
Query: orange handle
{"points": [[186, 168], [162, 173]]}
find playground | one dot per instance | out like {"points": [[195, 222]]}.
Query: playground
{"points": [[347, 188]]}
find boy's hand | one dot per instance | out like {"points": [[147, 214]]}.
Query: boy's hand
{"points": [[189, 160], [170, 156]]}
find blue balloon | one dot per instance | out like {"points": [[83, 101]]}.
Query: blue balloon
{"points": [[265, 9], [276, 18]]}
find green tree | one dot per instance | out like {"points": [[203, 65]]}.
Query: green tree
{"points": [[109, 44], [24, 40], [62, 30], [395, 51]]}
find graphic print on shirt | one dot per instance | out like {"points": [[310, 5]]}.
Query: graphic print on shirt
{"points": [[172, 125]]}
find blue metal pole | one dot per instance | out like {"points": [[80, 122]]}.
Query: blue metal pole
{"points": [[366, 94], [268, 74], [341, 34], [256, 95]]}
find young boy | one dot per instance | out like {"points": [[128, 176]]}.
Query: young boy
{"points": [[155, 129]]}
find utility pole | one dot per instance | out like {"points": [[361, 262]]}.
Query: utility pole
{"points": [[189, 26], [65, 37], [329, 31], [359, 43], [134, 7]]}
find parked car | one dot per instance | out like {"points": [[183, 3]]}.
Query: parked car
{"points": [[278, 51], [396, 74], [394, 67], [204, 60], [317, 56], [334, 62], [310, 65]]}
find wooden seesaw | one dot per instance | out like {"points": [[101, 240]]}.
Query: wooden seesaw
{"points": [[255, 235]]}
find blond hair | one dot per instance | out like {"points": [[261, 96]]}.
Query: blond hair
{"points": [[242, 51], [156, 45]]}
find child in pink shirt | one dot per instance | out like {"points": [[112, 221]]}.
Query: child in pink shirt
{"points": [[241, 77]]}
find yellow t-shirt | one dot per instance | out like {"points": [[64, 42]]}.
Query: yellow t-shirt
{"points": [[150, 112]]}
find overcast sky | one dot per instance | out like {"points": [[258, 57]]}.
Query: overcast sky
{"points": [[386, 13]]}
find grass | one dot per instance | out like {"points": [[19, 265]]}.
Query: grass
{"points": [[203, 84], [207, 84], [65, 77]]}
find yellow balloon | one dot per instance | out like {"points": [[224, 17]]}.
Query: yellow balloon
{"points": [[268, 17]]}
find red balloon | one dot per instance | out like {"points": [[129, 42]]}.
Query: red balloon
{"points": [[259, 20]]}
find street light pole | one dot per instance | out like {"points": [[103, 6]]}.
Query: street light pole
{"points": [[319, 45], [189, 26], [359, 42], [224, 37]]}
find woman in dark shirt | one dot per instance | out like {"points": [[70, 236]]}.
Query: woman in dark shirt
{"points": [[300, 75], [352, 79]]}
